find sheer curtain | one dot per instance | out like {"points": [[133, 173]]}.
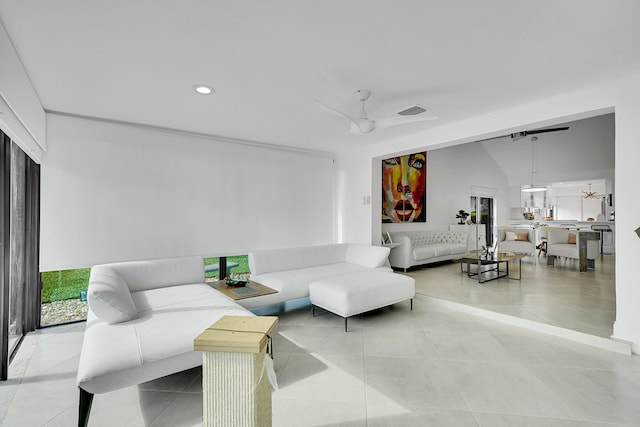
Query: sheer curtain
{"points": [[19, 276]]}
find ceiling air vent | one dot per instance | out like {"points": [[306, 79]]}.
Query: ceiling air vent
{"points": [[412, 111]]}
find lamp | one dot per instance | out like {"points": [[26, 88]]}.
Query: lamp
{"points": [[590, 194], [533, 188]]}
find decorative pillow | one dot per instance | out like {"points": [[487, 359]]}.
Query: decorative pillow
{"points": [[510, 235], [572, 239], [109, 296], [523, 237]]}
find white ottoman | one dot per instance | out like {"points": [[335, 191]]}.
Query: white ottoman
{"points": [[357, 293]]}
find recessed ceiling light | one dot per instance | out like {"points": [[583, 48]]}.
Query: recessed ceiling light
{"points": [[203, 89]]}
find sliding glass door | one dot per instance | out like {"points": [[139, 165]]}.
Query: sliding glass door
{"points": [[482, 214]]}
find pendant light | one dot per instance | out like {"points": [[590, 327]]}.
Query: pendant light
{"points": [[590, 194], [533, 188]]}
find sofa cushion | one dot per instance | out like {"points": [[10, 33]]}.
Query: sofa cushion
{"points": [[563, 249], [272, 260], [109, 297], [459, 249], [522, 236], [294, 284], [266, 261], [314, 256], [157, 273], [269, 260], [509, 235], [366, 255], [571, 239], [516, 246], [424, 252]]}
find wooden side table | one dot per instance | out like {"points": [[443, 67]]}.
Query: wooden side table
{"points": [[254, 289], [236, 390]]}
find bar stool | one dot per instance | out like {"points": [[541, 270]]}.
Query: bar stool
{"points": [[542, 246], [602, 228]]}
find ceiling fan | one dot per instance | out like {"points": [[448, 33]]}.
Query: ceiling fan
{"points": [[364, 124], [519, 135]]}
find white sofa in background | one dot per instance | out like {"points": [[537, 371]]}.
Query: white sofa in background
{"points": [[516, 240], [143, 317], [427, 246], [346, 279]]}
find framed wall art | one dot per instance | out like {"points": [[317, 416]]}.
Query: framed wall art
{"points": [[404, 188]]}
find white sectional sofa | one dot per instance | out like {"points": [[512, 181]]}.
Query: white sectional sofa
{"points": [[143, 317], [346, 279], [426, 246]]}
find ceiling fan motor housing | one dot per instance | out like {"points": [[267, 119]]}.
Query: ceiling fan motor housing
{"points": [[362, 94], [366, 125]]}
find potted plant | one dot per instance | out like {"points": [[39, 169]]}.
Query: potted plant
{"points": [[462, 216]]}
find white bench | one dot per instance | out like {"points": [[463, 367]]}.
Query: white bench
{"points": [[352, 294]]}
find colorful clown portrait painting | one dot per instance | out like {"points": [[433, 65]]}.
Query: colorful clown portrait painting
{"points": [[404, 183]]}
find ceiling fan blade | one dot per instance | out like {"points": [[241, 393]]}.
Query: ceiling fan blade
{"points": [[532, 132], [334, 111], [491, 139], [519, 135]]}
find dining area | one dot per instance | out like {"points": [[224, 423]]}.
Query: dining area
{"points": [[581, 240]]}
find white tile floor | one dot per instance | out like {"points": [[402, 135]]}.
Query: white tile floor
{"points": [[556, 295], [432, 366]]}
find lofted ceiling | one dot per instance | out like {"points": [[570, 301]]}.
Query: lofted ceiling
{"points": [[136, 61], [584, 152]]}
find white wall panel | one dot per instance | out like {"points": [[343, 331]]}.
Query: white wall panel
{"points": [[114, 192]]}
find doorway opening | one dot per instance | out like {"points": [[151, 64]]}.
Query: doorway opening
{"points": [[483, 215]]}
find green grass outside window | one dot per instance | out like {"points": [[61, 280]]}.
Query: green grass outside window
{"points": [[67, 284]]}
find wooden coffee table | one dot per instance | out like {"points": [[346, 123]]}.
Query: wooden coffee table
{"points": [[494, 262], [252, 289]]}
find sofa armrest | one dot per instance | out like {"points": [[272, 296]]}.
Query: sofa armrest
{"points": [[367, 255], [402, 255]]}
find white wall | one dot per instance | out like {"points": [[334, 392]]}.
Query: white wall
{"points": [[621, 96], [114, 192]]}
